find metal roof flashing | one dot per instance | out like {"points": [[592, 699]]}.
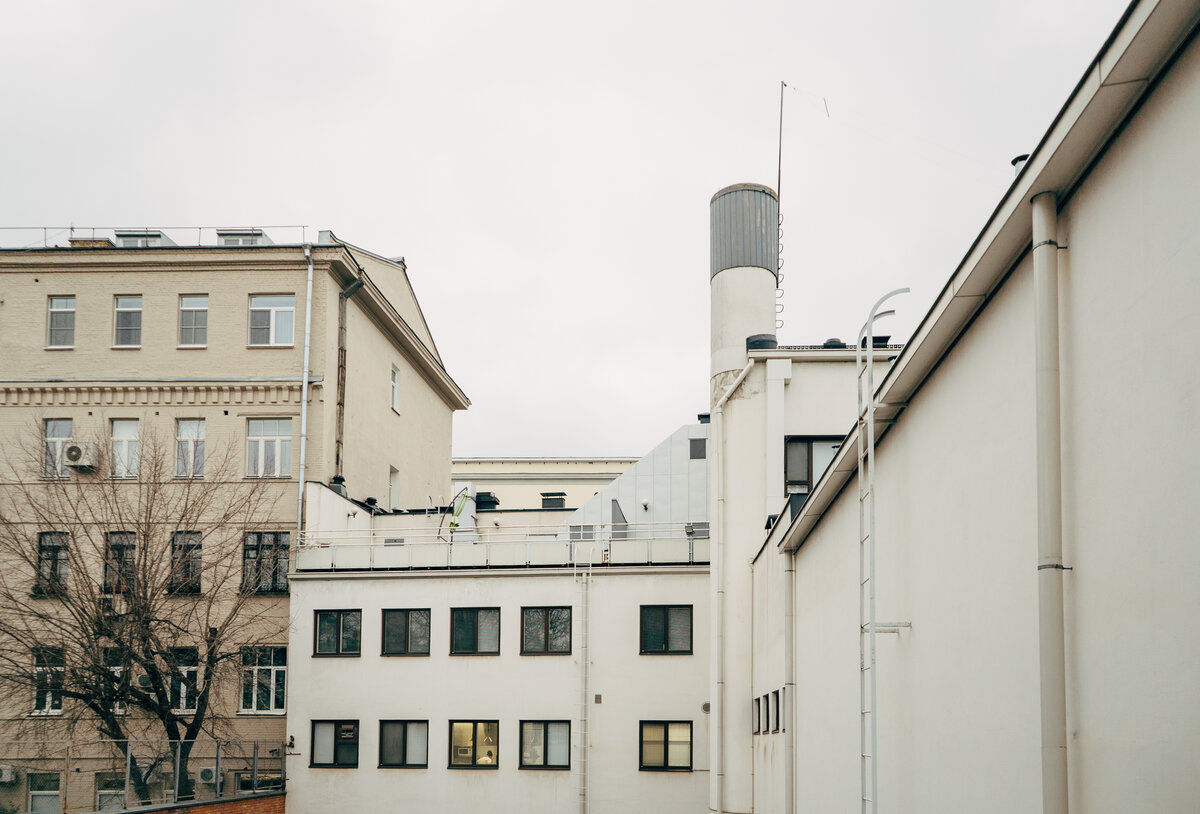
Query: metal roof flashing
{"points": [[1132, 59]]}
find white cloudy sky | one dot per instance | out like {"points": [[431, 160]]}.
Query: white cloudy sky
{"points": [[546, 167]]}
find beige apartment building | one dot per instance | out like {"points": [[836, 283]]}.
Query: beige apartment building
{"points": [[235, 358]]}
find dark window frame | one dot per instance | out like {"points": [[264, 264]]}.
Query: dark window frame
{"points": [[554, 500], [803, 486], [405, 764], [271, 560], [337, 723], [546, 651], [187, 563], [184, 667], [120, 561], [775, 710], [543, 766], [408, 651], [666, 767], [476, 651], [53, 563], [757, 715], [50, 672], [666, 651], [341, 653], [474, 764]]}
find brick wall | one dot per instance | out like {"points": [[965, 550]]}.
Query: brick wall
{"points": [[262, 804]]}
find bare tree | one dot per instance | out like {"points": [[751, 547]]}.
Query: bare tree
{"points": [[124, 602]]}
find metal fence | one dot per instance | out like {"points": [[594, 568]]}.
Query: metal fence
{"points": [[73, 777]]}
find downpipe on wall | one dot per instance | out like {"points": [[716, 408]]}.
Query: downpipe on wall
{"points": [[304, 387], [1051, 647], [789, 682], [718, 421]]}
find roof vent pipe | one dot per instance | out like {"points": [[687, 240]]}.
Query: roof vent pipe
{"points": [[1019, 163]]}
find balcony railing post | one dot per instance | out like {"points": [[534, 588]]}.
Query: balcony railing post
{"points": [[217, 770]]}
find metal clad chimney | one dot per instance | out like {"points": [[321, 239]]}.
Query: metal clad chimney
{"points": [[744, 251]]}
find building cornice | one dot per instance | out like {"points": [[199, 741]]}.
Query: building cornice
{"points": [[134, 393]]}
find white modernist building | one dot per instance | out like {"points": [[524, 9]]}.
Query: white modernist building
{"points": [[996, 613]]}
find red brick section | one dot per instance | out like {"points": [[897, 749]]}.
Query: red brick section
{"points": [[272, 804]]}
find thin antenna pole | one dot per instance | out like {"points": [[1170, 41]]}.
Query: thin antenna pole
{"points": [[779, 163]]}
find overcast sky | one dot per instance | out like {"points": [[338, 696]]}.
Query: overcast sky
{"points": [[546, 167]]}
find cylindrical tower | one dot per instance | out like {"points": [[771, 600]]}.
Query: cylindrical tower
{"points": [[745, 254]]}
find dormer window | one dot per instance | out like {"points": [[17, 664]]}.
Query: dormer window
{"points": [[242, 237], [142, 238]]}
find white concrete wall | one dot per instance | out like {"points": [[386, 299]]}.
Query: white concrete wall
{"points": [[509, 687]]}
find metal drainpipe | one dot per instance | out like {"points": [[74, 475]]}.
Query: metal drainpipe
{"points": [[1051, 646], [718, 420], [304, 387], [789, 683]]}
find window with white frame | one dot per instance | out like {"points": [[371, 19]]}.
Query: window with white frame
{"points": [[403, 744], [264, 679], [110, 791], [185, 675], [666, 746], [393, 487], [60, 324], [193, 320], [116, 661], [334, 744], [58, 433], [189, 448], [395, 388], [44, 794], [269, 447], [124, 433], [127, 321], [272, 319], [545, 744], [49, 666]]}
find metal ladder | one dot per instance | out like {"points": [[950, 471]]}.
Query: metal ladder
{"points": [[864, 356]]}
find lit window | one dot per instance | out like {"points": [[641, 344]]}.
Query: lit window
{"points": [[474, 631], [58, 435], [61, 323], [334, 744], [403, 744], [124, 447], [545, 630], [272, 319], [666, 629], [189, 448], [119, 549], [474, 744], [545, 744], [264, 678], [406, 632], [52, 564], [265, 562], [269, 448], [185, 563], [44, 793], [185, 674], [338, 632], [49, 666], [127, 321], [666, 746], [193, 320]]}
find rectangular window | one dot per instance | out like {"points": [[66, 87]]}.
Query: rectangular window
{"points": [[127, 321], [264, 678], [393, 487], [396, 389], [474, 631], [265, 562], [666, 746], [474, 744], [766, 708], [406, 632], [58, 432], [666, 629], [545, 744], [185, 563], [193, 320], [272, 317], [119, 550], [403, 744], [116, 661], [554, 500], [783, 709], [60, 324], [775, 710], [124, 447], [805, 460], [49, 665], [757, 716], [269, 448], [582, 532], [334, 745], [52, 564], [110, 791], [338, 632], [545, 631], [697, 448], [189, 448], [185, 674], [44, 796]]}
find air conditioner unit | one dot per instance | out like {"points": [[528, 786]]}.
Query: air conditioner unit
{"points": [[81, 457], [208, 774], [8, 775]]}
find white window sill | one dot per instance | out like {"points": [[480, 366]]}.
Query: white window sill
{"points": [[271, 346], [45, 713], [269, 477], [262, 713], [59, 347], [125, 347], [191, 347]]}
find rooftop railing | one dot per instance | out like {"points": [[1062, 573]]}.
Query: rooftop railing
{"points": [[45, 237], [604, 544]]}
